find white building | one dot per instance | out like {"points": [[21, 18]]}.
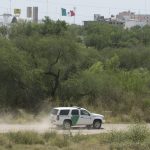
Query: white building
{"points": [[132, 22], [131, 19], [125, 15]]}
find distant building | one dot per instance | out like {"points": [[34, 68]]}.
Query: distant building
{"points": [[131, 19], [29, 12], [35, 14], [32, 14], [143, 18], [101, 19], [98, 17], [114, 22], [86, 23], [132, 22], [125, 15]]}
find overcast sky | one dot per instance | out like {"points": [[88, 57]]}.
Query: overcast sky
{"points": [[85, 9]]}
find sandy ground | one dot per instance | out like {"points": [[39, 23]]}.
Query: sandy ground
{"points": [[45, 127]]}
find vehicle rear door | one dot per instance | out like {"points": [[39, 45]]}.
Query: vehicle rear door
{"points": [[64, 114]]}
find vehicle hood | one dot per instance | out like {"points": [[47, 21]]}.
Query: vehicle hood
{"points": [[97, 115]]}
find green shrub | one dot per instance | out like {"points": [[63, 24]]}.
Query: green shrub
{"points": [[119, 146], [116, 137], [138, 133], [25, 138], [129, 146]]}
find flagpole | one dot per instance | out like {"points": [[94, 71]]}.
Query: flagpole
{"points": [[74, 8], [60, 14]]}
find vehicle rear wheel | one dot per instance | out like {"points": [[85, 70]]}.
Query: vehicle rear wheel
{"points": [[97, 124], [67, 124]]}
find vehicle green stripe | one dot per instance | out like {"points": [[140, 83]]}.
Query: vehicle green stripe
{"points": [[74, 119]]}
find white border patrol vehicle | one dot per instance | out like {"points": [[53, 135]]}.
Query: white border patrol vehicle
{"points": [[75, 116]]}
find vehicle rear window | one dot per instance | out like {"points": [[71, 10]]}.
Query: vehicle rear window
{"points": [[75, 112], [54, 111], [64, 112]]}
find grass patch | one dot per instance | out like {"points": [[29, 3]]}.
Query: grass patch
{"points": [[4, 139], [116, 137], [138, 133], [61, 141], [49, 136], [28, 138], [129, 146], [136, 137]]}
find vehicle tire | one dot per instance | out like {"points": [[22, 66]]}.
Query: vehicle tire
{"points": [[97, 124], [67, 124]]}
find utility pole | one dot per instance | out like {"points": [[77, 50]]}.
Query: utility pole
{"points": [[47, 8]]}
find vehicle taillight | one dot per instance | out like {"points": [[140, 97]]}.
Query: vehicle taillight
{"points": [[57, 117]]}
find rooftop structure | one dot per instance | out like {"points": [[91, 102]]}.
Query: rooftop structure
{"points": [[101, 19], [125, 15], [5, 19], [143, 18], [131, 19]]}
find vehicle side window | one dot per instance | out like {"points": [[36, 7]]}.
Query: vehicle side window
{"points": [[84, 112], [54, 111], [64, 112], [75, 112]]}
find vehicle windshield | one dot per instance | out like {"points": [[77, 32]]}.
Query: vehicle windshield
{"points": [[54, 111]]}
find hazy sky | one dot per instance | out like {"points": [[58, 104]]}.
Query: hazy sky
{"points": [[84, 8]]}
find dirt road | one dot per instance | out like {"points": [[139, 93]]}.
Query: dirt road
{"points": [[44, 127]]}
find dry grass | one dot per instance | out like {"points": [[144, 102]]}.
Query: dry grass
{"points": [[136, 138]]}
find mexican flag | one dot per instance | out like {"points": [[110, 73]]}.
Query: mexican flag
{"points": [[63, 12], [71, 13]]}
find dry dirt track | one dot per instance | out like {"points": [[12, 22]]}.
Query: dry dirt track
{"points": [[44, 127]]}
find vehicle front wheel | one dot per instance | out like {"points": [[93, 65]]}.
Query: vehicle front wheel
{"points": [[97, 124], [67, 124]]}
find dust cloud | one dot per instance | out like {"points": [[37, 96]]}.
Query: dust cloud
{"points": [[22, 121]]}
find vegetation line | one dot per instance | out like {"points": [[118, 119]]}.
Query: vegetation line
{"points": [[98, 66]]}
